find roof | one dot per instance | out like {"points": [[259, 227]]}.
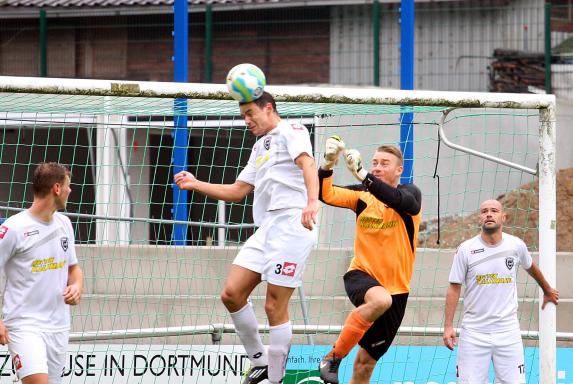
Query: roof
{"points": [[113, 3], [63, 8], [14, 9]]}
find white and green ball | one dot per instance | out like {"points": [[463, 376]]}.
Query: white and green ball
{"points": [[246, 82]]}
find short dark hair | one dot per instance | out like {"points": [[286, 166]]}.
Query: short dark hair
{"points": [[392, 149], [46, 175], [264, 100]]}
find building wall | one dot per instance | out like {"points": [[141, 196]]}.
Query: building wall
{"points": [[290, 46]]}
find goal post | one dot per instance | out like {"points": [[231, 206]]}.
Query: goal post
{"points": [[116, 137]]}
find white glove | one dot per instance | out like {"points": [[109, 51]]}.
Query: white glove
{"points": [[354, 164], [334, 145]]}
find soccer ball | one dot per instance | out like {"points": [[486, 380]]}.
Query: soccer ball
{"points": [[246, 82]]}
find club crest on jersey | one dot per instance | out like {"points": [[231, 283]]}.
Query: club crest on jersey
{"points": [[289, 269], [509, 262], [3, 230], [64, 243], [267, 143]]}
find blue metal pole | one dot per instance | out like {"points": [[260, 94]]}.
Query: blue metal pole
{"points": [[180, 130], [407, 83]]}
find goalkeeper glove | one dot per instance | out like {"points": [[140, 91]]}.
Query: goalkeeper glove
{"points": [[354, 164], [334, 145]]}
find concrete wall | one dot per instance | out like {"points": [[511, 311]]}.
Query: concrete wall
{"points": [[147, 287]]}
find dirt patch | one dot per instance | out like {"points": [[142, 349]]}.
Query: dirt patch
{"points": [[522, 207]]}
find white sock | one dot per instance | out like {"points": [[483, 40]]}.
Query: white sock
{"points": [[247, 329], [280, 337]]}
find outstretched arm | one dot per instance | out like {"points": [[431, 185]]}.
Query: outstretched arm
{"points": [[406, 198], [452, 298], [228, 192], [550, 294], [336, 196]]}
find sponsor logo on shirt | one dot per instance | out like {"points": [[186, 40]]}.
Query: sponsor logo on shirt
{"points": [[261, 159], [31, 233], [44, 265], [509, 262], [289, 269], [64, 243], [297, 127], [376, 223], [3, 230], [491, 278], [480, 250]]}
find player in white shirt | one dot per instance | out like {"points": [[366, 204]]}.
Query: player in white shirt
{"points": [[487, 265], [38, 258], [282, 172]]}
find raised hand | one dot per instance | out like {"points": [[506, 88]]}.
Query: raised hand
{"points": [[333, 146], [354, 164]]}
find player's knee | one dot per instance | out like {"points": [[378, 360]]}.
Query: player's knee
{"points": [[275, 312], [271, 307], [230, 299], [381, 303]]}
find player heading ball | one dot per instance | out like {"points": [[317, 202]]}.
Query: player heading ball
{"points": [[282, 173]]}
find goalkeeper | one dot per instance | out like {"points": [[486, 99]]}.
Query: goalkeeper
{"points": [[378, 279]]}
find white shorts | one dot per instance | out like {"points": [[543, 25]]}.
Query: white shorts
{"points": [[279, 248], [39, 352], [476, 350]]}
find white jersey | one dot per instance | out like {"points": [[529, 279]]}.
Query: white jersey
{"points": [[278, 181], [35, 257], [489, 275]]}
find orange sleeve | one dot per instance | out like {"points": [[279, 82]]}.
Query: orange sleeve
{"points": [[336, 196]]}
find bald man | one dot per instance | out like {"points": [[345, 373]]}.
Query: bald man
{"points": [[487, 265]]}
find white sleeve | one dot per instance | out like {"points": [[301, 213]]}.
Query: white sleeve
{"points": [[72, 257], [7, 244], [459, 267], [297, 140], [524, 256], [249, 173]]}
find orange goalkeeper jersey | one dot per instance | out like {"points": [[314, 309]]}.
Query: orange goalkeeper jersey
{"points": [[387, 222]]}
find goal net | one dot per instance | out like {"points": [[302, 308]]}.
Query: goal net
{"points": [[155, 259]]}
